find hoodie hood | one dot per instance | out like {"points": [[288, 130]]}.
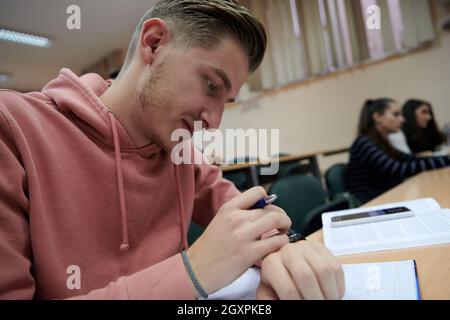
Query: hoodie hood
{"points": [[78, 98]]}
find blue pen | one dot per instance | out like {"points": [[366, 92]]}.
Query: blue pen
{"points": [[293, 236], [264, 202]]}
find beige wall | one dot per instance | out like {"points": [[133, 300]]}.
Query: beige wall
{"points": [[323, 114]]}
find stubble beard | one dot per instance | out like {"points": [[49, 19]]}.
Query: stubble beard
{"points": [[153, 99]]}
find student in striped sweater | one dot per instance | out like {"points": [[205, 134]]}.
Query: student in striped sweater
{"points": [[375, 166]]}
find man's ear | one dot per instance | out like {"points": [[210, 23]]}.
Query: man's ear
{"points": [[154, 35]]}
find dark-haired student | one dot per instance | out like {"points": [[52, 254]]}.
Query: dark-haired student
{"points": [[420, 128], [375, 166], [420, 134]]}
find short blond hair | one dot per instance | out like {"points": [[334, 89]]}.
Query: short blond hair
{"points": [[204, 23]]}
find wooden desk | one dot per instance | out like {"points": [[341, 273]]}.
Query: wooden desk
{"points": [[433, 262], [251, 168]]}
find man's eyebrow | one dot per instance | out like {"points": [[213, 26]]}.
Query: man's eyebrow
{"points": [[224, 78]]}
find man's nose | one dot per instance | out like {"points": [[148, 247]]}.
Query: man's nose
{"points": [[213, 117]]}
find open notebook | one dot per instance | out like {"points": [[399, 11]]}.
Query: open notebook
{"points": [[429, 225], [382, 281], [366, 281]]}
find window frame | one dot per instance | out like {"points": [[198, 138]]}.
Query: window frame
{"points": [[360, 52]]}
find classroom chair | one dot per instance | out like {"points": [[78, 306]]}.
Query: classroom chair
{"points": [[336, 183], [240, 178], [304, 200], [194, 232]]}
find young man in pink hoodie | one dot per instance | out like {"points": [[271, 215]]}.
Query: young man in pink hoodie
{"points": [[91, 204]]}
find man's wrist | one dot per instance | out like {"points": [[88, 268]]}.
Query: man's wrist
{"points": [[198, 288]]}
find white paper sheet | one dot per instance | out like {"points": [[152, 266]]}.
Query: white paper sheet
{"points": [[243, 288]]}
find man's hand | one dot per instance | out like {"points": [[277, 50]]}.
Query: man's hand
{"points": [[302, 270], [232, 242]]}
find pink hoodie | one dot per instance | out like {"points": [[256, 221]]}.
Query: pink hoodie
{"points": [[75, 192]]}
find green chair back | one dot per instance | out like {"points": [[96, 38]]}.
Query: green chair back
{"points": [[335, 179], [298, 195], [336, 182], [194, 232], [239, 179]]}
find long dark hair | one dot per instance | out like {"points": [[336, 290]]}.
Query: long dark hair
{"points": [[420, 139], [367, 126]]}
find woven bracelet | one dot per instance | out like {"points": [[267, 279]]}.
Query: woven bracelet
{"points": [[197, 285]]}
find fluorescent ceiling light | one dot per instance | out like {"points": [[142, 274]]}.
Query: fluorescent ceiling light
{"points": [[24, 38], [4, 77]]}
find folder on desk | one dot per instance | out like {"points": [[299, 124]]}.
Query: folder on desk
{"points": [[429, 225]]}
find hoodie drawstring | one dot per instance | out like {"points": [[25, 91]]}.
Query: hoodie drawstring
{"points": [[123, 209], [180, 208]]}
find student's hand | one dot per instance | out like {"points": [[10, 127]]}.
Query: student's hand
{"points": [[301, 270], [232, 242]]}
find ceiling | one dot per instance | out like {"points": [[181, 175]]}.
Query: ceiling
{"points": [[106, 25]]}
